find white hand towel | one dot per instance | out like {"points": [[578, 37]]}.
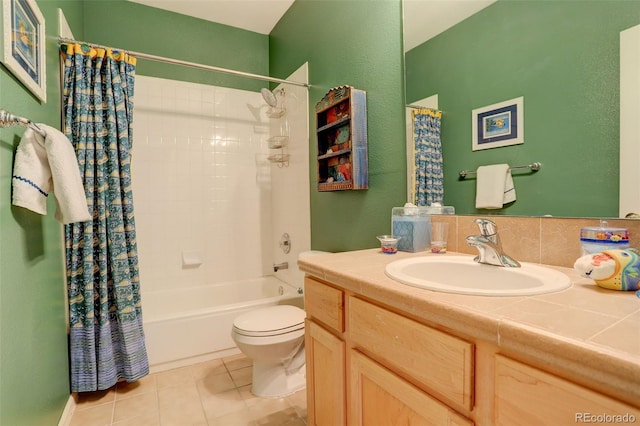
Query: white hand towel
{"points": [[494, 186], [44, 165]]}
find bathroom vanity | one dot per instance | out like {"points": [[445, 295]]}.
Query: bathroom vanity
{"points": [[380, 352]]}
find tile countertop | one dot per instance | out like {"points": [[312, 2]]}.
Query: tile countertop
{"points": [[585, 333]]}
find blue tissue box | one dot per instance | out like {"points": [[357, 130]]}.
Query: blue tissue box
{"points": [[415, 229]]}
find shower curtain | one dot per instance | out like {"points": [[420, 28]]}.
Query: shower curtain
{"points": [[428, 174], [106, 335]]}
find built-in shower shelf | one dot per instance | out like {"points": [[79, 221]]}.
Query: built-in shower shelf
{"points": [[277, 142]]}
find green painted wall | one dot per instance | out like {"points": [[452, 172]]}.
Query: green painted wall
{"points": [[33, 338], [329, 34], [563, 57], [34, 378], [158, 32], [358, 43]]}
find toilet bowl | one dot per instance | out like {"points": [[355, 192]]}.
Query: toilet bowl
{"points": [[273, 338]]}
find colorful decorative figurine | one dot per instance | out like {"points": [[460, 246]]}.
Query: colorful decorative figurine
{"points": [[612, 269]]}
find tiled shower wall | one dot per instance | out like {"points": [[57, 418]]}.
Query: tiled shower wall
{"points": [[290, 182], [202, 184]]}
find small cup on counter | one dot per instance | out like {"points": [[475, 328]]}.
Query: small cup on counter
{"points": [[388, 243], [439, 237]]}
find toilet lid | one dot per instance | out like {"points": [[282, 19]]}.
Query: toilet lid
{"points": [[270, 321]]}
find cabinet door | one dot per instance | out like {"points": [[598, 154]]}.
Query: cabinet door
{"points": [[379, 397], [325, 355], [527, 396]]}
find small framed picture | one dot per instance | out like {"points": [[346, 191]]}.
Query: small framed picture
{"points": [[23, 47], [497, 125]]}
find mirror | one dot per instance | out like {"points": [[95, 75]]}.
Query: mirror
{"points": [[562, 58]]}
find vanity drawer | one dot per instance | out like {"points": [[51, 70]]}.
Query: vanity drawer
{"points": [[324, 303], [442, 364]]}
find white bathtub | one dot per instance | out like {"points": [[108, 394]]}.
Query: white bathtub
{"points": [[191, 325]]}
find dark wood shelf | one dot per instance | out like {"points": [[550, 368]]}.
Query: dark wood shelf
{"points": [[341, 125], [336, 123], [334, 154]]}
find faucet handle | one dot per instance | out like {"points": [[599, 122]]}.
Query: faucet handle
{"points": [[487, 227]]}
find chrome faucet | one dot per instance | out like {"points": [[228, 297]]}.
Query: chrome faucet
{"points": [[489, 246], [278, 266]]}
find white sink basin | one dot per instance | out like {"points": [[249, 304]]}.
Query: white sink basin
{"points": [[460, 274]]}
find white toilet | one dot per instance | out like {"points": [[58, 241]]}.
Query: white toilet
{"points": [[273, 338]]}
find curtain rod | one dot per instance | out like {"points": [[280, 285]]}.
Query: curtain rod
{"points": [[189, 64]]}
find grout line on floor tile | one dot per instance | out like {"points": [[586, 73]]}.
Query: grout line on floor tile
{"points": [[241, 363]]}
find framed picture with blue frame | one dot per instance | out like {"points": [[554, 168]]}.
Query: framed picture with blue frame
{"points": [[498, 125], [23, 47]]}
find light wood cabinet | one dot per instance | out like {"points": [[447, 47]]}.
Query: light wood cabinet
{"points": [[370, 365], [528, 396], [325, 304], [379, 397], [374, 392], [325, 377], [440, 363], [325, 354]]}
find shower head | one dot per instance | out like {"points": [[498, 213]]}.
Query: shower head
{"points": [[269, 97]]}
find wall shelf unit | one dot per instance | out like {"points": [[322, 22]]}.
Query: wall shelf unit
{"points": [[341, 129], [279, 129]]}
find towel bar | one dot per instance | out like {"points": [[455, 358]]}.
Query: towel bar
{"points": [[7, 119], [533, 166]]}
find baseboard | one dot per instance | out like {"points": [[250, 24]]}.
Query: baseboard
{"points": [[170, 365], [67, 414]]}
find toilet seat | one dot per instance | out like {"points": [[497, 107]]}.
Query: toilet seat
{"points": [[271, 321]]}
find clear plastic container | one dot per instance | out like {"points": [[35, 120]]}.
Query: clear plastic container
{"points": [[596, 239], [413, 224], [388, 243]]}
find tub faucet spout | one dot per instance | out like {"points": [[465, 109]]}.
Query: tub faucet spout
{"points": [[278, 266]]}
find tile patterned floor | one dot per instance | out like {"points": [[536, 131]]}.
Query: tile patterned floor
{"points": [[212, 393]]}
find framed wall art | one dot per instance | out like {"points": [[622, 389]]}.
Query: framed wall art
{"points": [[23, 47], [498, 125]]}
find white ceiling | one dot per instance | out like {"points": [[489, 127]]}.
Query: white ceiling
{"points": [[424, 19], [259, 16]]}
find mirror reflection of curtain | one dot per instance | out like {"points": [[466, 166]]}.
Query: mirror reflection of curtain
{"points": [[106, 336], [427, 149]]}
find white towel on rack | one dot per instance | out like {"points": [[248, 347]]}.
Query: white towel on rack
{"points": [[494, 186], [49, 164]]}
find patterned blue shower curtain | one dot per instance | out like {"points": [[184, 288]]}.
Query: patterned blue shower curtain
{"points": [[106, 334], [428, 173]]}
